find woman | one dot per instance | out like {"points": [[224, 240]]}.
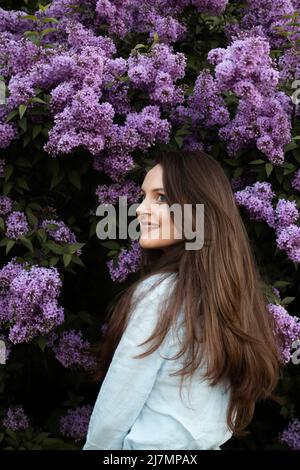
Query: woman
{"points": [[203, 310]]}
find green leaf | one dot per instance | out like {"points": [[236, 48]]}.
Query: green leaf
{"points": [[141, 46], [37, 128], [287, 300], [74, 178], [67, 259], [23, 162], [42, 342], [22, 110], [237, 172], [9, 245], [7, 187], [291, 146], [11, 115], [77, 260], [8, 171], [22, 183], [2, 225], [57, 249], [48, 30], [155, 37], [36, 99], [26, 140], [56, 179], [23, 124], [26, 242], [53, 260], [41, 234], [31, 217], [179, 141], [269, 168], [29, 17], [73, 247], [111, 245], [281, 283], [257, 162], [50, 20]]}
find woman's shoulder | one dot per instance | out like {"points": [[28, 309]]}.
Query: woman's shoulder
{"points": [[159, 281]]}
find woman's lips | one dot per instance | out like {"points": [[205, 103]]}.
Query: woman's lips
{"points": [[149, 226]]}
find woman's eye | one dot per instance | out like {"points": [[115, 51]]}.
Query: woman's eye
{"points": [[141, 197]]}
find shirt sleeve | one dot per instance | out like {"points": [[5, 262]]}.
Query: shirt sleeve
{"points": [[128, 381]]}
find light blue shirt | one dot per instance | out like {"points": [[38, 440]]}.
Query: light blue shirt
{"points": [[139, 405]]}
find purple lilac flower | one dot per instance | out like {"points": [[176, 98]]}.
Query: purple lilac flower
{"points": [[128, 262], [296, 180], [288, 238], [257, 200], [205, 106], [16, 419], [75, 423], [28, 300], [291, 435], [59, 232], [289, 326], [263, 114], [7, 134], [6, 204], [69, 350], [286, 213], [268, 15], [110, 194], [16, 225], [157, 73]]}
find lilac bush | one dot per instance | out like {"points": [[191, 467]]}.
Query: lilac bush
{"points": [[92, 90]]}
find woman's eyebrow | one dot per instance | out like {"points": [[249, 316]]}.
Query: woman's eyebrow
{"points": [[155, 189]]}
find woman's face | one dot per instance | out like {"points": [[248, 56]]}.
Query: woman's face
{"points": [[157, 228]]}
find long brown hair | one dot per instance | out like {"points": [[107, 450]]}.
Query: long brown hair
{"points": [[225, 305]]}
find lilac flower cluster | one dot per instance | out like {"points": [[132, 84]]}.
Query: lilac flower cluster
{"points": [[288, 326], [59, 232], [88, 91], [75, 423], [149, 16], [289, 65], [268, 16], [296, 180], [110, 194], [128, 262], [28, 300], [291, 435], [263, 114], [70, 349], [16, 225], [156, 72], [6, 204], [16, 419], [206, 107], [140, 131], [257, 199]]}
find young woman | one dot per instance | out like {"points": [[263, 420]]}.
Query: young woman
{"points": [[212, 352]]}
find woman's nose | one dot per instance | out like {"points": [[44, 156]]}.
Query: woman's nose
{"points": [[143, 208]]}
